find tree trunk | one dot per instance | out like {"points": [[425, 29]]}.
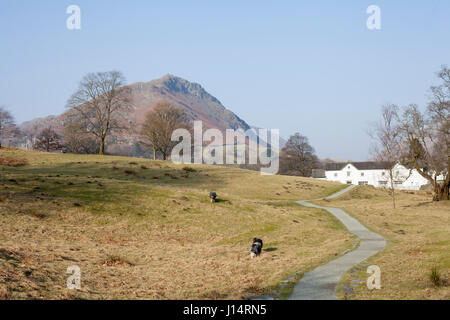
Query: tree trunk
{"points": [[441, 192], [445, 192], [446, 186], [102, 147], [393, 198], [154, 153], [393, 191]]}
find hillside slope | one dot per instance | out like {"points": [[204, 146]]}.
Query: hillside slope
{"points": [[142, 229]]}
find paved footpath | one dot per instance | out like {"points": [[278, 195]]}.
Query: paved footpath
{"points": [[320, 283]]}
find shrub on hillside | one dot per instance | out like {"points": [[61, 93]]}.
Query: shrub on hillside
{"points": [[435, 276]]}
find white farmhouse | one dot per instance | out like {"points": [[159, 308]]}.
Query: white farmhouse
{"points": [[374, 174]]}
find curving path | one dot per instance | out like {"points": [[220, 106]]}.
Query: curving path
{"points": [[320, 283]]}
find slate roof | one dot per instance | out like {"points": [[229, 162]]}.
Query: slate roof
{"points": [[367, 165]]}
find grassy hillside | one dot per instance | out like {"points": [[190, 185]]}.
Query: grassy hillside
{"points": [[418, 239], [142, 229]]}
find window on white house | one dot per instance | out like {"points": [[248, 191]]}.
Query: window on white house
{"points": [[383, 173], [382, 182], [362, 174], [348, 173], [349, 182], [363, 183]]}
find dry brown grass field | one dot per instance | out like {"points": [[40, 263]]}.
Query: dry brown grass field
{"points": [[142, 229], [418, 239]]}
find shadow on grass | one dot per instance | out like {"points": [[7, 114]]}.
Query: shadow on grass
{"points": [[218, 200]]}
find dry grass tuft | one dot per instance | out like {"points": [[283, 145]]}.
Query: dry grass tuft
{"points": [[11, 255], [435, 276], [13, 162], [171, 176], [116, 260], [39, 215]]}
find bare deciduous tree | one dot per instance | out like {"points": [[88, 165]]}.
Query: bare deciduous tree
{"points": [[159, 125], [102, 101], [420, 139], [48, 140], [439, 112], [428, 138], [425, 151], [8, 127], [77, 139], [298, 157], [386, 136]]}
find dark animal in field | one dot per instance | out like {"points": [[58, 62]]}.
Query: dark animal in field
{"points": [[212, 196], [255, 250]]}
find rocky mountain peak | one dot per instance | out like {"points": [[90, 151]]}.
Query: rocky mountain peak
{"points": [[179, 85]]}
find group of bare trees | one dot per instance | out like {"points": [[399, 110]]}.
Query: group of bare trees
{"points": [[100, 108], [77, 138], [419, 140], [8, 128], [298, 157], [48, 140]]}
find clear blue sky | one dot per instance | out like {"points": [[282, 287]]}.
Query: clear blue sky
{"points": [[307, 66]]}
